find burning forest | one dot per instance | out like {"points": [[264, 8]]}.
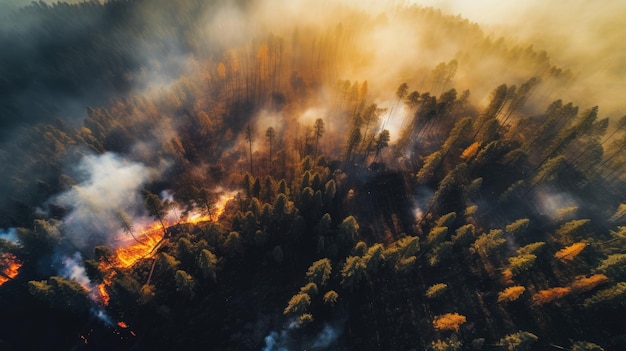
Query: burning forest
{"points": [[251, 175]]}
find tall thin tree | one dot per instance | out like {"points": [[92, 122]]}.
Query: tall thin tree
{"points": [[249, 138], [155, 207], [270, 134], [319, 131]]}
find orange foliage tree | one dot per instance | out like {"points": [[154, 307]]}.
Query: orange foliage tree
{"points": [[470, 151], [449, 321], [570, 252], [582, 284], [549, 295], [511, 293]]}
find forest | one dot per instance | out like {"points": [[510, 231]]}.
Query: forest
{"points": [[182, 175]]}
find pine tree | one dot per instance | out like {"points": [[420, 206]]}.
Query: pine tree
{"points": [[319, 272], [520, 341]]}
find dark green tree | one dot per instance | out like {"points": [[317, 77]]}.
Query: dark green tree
{"points": [[61, 293], [520, 341], [349, 228], [185, 284], [354, 270], [208, 264]]}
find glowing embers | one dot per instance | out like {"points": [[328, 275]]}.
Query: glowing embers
{"points": [[122, 329], [9, 267]]}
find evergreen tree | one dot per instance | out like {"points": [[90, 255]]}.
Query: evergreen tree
{"points": [[520, 341]]}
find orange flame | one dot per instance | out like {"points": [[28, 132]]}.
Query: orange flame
{"points": [[196, 218], [128, 255], [131, 251], [149, 238], [220, 205], [104, 294], [10, 266]]}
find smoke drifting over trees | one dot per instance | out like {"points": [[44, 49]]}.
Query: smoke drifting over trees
{"points": [[267, 175]]}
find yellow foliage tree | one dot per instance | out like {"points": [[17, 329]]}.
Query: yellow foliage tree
{"points": [[511, 293], [583, 284], [549, 295], [570, 252], [298, 304], [449, 321]]}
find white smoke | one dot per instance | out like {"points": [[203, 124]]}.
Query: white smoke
{"points": [[551, 204], [272, 342], [73, 269], [107, 185], [282, 341], [101, 315], [421, 202], [326, 337]]}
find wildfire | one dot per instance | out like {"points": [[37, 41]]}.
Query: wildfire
{"points": [[130, 254], [104, 294], [131, 251], [127, 255], [218, 209], [196, 218], [10, 267], [220, 205]]}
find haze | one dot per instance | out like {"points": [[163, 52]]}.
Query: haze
{"points": [[584, 36]]}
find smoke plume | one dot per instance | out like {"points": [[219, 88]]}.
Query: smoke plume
{"points": [[107, 185], [287, 339]]}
